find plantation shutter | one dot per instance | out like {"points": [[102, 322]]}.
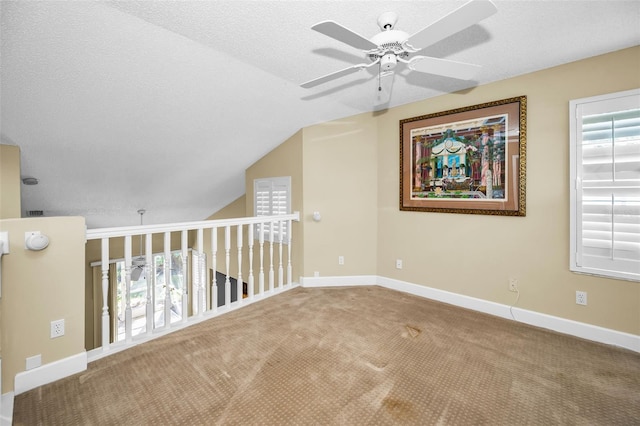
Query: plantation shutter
{"points": [[280, 205], [606, 189], [262, 190], [273, 197]]}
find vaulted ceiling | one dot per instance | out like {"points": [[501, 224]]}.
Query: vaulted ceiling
{"points": [[162, 105]]}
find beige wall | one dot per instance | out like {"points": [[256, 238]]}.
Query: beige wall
{"points": [[333, 171], [475, 255], [237, 208], [9, 193], [9, 182], [284, 160], [39, 287], [350, 170], [341, 181]]}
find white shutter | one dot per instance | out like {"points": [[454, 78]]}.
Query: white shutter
{"points": [[262, 193], [605, 171], [280, 205], [272, 197]]}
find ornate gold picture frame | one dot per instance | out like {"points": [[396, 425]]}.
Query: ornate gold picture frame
{"points": [[467, 160]]}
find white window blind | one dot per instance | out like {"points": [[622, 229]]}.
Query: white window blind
{"points": [[272, 196], [605, 185]]}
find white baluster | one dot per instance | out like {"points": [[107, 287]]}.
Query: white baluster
{"points": [[250, 280], [150, 274], [289, 268], [261, 273], [280, 270], [167, 279], [185, 286], [201, 288], [195, 280], [227, 281], [106, 329], [239, 291], [128, 320], [214, 261], [271, 272]]}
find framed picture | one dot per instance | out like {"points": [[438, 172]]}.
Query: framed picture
{"points": [[467, 160]]}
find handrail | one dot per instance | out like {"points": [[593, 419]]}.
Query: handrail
{"points": [[98, 233], [199, 296]]}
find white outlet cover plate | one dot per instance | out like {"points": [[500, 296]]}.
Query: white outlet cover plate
{"points": [[581, 298], [57, 328]]}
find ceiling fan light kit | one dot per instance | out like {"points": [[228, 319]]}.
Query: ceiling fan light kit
{"points": [[391, 46], [388, 62]]}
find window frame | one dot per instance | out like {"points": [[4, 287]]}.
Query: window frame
{"points": [[611, 103]]}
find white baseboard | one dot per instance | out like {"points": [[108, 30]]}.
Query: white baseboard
{"points": [[339, 281], [550, 322], [6, 411], [51, 372]]}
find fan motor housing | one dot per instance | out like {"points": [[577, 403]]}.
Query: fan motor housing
{"points": [[389, 48], [388, 61], [390, 37]]}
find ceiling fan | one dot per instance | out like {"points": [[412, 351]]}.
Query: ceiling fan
{"points": [[390, 47], [138, 263]]}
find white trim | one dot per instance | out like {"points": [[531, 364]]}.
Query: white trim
{"points": [[623, 269], [538, 319], [339, 281], [456, 299], [6, 413], [51, 372], [99, 233]]}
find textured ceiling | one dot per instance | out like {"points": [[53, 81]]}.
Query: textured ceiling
{"points": [[162, 105]]}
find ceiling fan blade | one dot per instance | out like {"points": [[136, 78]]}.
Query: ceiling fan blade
{"points": [[383, 91], [461, 18], [444, 67], [345, 35], [337, 74]]}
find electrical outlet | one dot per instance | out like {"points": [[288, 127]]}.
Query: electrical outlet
{"points": [[581, 298], [513, 284], [57, 328], [398, 263], [340, 260]]}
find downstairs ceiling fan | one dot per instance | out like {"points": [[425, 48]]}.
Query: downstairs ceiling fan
{"points": [[390, 47], [138, 263]]}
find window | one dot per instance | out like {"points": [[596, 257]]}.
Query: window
{"points": [[272, 196], [605, 185]]}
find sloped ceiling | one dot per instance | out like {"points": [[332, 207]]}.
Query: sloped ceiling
{"points": [[162, 105]]}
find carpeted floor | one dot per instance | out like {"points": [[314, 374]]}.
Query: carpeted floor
{"points": [[349, 356]]}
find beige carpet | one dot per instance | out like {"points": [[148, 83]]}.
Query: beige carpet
{"points": [[349, 356]]}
